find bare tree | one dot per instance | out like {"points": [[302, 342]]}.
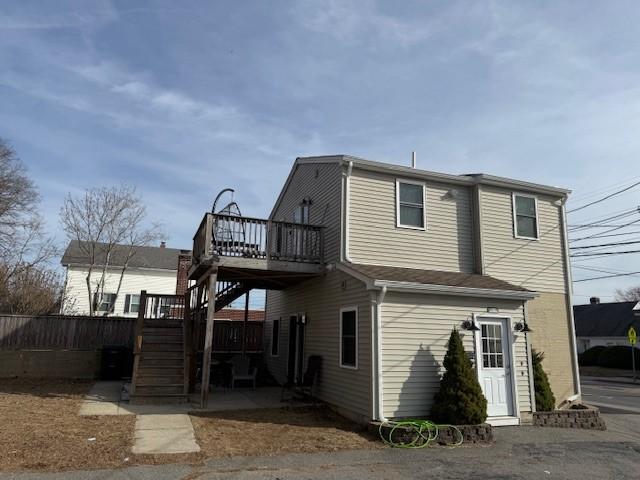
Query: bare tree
{"points": [[25, 249], [107, 222], [631, 294], [31, 291]]}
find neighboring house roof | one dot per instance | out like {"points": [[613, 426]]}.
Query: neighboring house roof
{"points": [[145, 257], [605, 319], [237, 314], [468, 179], [437, 281]]}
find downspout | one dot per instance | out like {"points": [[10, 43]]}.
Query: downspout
{"points": [[572, 326], [377, 382], [532, 390], [345, 212]]}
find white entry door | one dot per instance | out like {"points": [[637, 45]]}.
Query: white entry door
{"points": [[494, 366]]}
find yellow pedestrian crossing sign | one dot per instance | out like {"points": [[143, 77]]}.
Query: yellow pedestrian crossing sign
{"points": [[633, 337]]}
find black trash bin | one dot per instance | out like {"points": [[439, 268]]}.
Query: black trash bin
{"points": [[115, 362]]}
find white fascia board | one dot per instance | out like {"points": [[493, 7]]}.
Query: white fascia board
{"points": [[119, 268], [455, 291]]}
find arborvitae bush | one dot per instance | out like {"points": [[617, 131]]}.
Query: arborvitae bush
{"points": [[460, 400], [545, 401]]}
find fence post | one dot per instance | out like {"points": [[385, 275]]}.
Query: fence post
{"points": [[137, 346]]}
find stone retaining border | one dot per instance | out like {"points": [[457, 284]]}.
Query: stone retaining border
{"points": [[587, 418], [475, 434]]}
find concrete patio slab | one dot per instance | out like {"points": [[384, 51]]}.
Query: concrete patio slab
{"points": [[156, 433]]}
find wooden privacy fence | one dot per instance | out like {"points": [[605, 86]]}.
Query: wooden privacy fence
{"points": [[62, 332]]}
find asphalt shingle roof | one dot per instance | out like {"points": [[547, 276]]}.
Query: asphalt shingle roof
{"points": [[434, 277], [605, 319], [144, 257]]}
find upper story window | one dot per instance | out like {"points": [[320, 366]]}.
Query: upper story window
{"points": [[525, 215], [410, 208], [301, 214]]}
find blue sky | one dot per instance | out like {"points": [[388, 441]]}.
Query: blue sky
{"points": [[185, 98]]}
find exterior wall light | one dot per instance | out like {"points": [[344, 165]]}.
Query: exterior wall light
{"points": [[470, 325], [522, 327]]}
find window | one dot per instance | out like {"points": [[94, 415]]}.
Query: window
{"points": [[492, 354], [349, 337], [525, 213], [275, 337], [105, 304], [301, 214], [410, 204], [131, 303]]}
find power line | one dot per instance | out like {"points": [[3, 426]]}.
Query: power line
{"points": [[600, 270], [600, 191], [606, 236], [605, 197], [604, 253], [618, 227], [603, 220], [612, 244], [606, 276]]}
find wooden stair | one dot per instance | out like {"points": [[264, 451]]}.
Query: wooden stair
{"points": [[159, 373]]}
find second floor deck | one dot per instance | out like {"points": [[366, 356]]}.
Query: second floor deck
{"points": [[248, 243]]}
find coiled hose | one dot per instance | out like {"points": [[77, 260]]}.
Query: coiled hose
{"points": [[414, 433]]}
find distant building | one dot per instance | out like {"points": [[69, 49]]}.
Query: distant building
{"points": [[605, 324]]}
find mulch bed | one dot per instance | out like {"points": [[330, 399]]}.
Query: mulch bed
{"points": [[278, 431], [41, 428]]}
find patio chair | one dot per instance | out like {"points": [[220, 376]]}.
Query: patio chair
{"points": [[241, 370], [304, 389]]}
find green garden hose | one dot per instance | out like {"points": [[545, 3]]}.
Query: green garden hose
{"points": [[414, 433]]}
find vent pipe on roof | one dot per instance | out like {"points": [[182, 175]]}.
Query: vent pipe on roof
{"points": [[594, 300], [413, 159]]}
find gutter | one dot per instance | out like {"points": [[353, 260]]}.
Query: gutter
{"points": [[572, 325], [457, 291], [376, 370], [345, 213]]}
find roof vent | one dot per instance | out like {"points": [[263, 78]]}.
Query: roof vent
{"points": [[594, 300], [413, 159]]}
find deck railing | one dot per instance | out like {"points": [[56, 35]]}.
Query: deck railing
{"points": [[246, 237]]}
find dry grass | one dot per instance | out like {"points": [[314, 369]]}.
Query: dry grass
{"points": [[278, 431], [41, 429]]}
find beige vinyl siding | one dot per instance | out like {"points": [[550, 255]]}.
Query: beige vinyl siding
{"points": [[321, 300], [153, 281], [415, 332], [447, 243], [322, 183], [534, 264]]}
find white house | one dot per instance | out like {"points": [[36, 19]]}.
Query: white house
{"points": [[154, 269]]}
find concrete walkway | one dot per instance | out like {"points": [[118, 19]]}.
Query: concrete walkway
{"points": [[157, 433]]}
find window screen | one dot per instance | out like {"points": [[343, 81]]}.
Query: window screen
{"points": [[410, 205], [526, 217]]}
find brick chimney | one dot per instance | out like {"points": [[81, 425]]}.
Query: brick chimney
{"points": [[184, 263], [594, 300]]}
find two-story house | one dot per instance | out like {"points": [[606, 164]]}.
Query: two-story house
{"points": [[409, 255]]}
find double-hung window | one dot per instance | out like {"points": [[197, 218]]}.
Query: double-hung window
{"points": [[104, 302], [410, 204], [525, 216], [131, 303], [349, 337]]}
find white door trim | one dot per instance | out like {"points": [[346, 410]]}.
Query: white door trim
{"points": [[515, 404]]}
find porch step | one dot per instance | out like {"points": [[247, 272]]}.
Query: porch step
{"points": [[148, 347], [160, 380], [154, 399], [146, 370], [162, 323], [162, 330], [167, 389], [155, 338]]}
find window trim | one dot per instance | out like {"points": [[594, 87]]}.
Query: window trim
{"points": [[277, 354], [424, 204], [342, 310], [515, 216], [96, 305]]}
